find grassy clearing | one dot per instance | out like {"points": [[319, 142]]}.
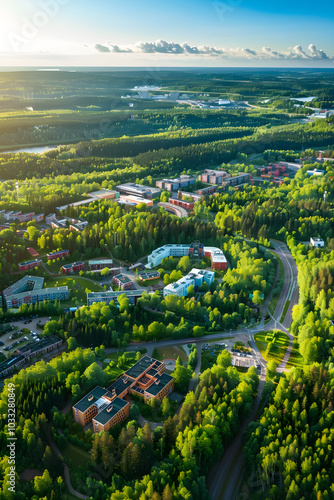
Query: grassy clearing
{"points": [[170, 352], [279, 341], [77, 287], [76, 455], [296, 359]]}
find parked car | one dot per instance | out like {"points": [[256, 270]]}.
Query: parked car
{"points": [[2, 343]]}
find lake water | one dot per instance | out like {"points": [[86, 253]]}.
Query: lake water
{"points": [[34, 149]]}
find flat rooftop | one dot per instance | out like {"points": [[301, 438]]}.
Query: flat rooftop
{"points": [[131, 186], [157, 386], [27, 283], [68, 266], [110, 411], [106, 295], [40, 291], [27, 262], [100, 262], [141, 366], [122, 278], [149, 275], [101, 193], [121, 384], [90, 398]]}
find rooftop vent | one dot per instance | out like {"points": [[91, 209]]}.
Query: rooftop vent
{"points": [[109, 408], [91, 397]]}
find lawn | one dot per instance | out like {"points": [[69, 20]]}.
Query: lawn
{"points": [[170, 352], [77, 286], [76, 454], [296, 359], [280, 343]]}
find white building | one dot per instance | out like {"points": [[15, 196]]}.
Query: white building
{"points": [[195, 278], [317, 242], [166, 251]]}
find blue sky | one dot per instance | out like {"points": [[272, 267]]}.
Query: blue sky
{"points": [[193, 33]]}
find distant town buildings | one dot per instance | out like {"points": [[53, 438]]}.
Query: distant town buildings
{"points": [[29, 290], [102, 194], [138, 190], [317, 242], [175, 184], [12, 215], [129, 199], [66, 223], [214, 176], [195, 278], [187, 205], [174, 209], [106, 408]]}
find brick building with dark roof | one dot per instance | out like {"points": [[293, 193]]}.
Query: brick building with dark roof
{"points": [[106, 407]]}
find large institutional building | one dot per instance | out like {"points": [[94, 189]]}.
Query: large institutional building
{"points": [[29, 290], [175, 184], [195, 278], [218, 259], [107, 407]]}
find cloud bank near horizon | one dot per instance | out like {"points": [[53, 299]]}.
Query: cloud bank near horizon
{"points": [[172, 48]]}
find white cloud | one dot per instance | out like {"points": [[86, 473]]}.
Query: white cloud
{"points": [[109, 47], [173, 48], [315, 53]]}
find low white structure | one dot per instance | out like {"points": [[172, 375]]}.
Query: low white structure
{"points": [[317, 242], [195, 278]]}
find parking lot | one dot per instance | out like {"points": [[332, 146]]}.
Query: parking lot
{"points": [[20, 332]]}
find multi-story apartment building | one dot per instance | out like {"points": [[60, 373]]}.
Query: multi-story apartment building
{"points": [[176, 184], [195, 278], [75, 267], [29, 290], [30, 264], [97, 265], [58, 255]]}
